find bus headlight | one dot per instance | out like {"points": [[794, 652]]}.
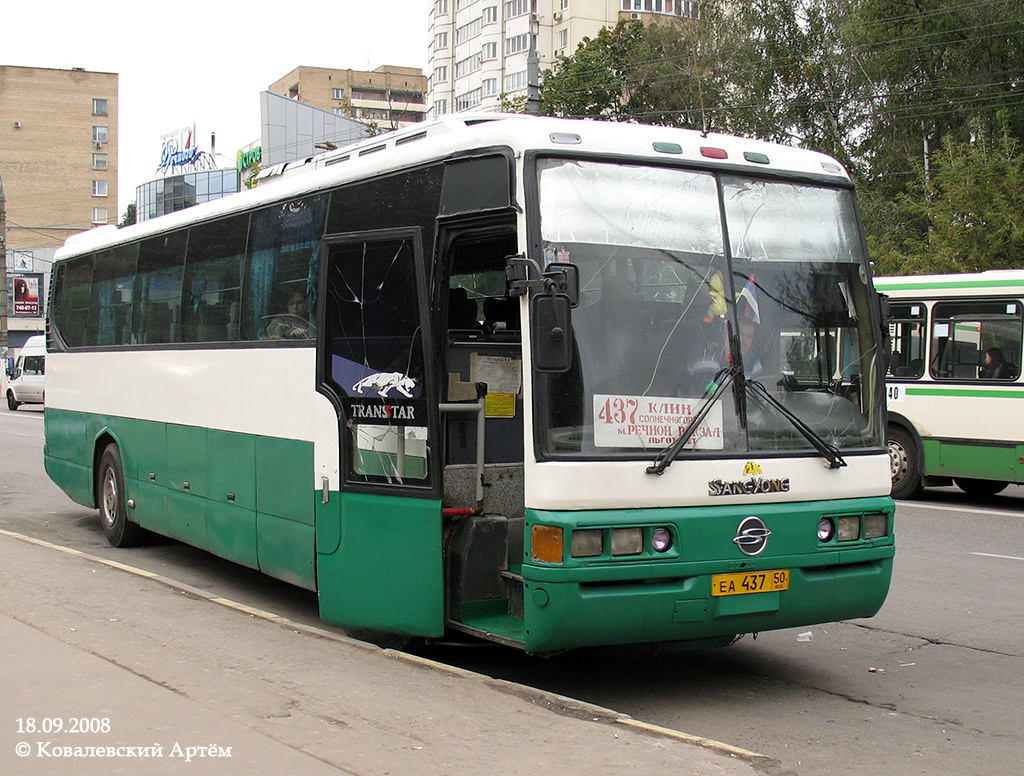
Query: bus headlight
{"points": [[587, 544], [661, 539], [627, 541], [876, 526], [546, 544], [826, 529], [849, 528]]}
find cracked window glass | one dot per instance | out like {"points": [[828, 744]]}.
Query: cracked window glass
{"points": [[375, 358]]}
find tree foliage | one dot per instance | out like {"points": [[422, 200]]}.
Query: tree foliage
{"points": [[922, 100]]}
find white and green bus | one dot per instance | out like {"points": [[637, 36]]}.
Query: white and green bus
{"points": [[954, 383], [543, 382]]}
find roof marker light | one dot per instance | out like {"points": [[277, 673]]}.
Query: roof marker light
{"points": [[756, 158], [566, 138], [713, 153], [831, 167], [668, 148]]}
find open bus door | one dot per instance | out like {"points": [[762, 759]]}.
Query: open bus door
{"points": [[381, 569]]}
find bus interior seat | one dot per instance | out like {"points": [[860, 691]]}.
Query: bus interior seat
{"points": [[462, 311], [501, 314]]}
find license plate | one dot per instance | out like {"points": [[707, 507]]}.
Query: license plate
{"points": [[750, 582]]}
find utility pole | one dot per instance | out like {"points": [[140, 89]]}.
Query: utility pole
{"points": [[533, 69]]}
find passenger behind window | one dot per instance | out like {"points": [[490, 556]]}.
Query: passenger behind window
{"points": [[293, 322], [462, 311], [995, 366]]}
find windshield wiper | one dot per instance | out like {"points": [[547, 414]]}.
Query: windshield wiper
{"points": [[717, 387], [829, 452]]}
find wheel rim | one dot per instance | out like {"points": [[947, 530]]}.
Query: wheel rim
{"points": [[110, 496], [899, 462]]}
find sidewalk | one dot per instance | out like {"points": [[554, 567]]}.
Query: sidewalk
{"points": [[163, 680]]}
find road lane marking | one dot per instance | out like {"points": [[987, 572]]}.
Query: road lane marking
{"points": [[990, 555], [942, 507]]}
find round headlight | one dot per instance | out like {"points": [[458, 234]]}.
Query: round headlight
{"points": [[826, 529], [661, 539]]}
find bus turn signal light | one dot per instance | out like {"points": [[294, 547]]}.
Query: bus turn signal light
{"points": [[547, 544]]}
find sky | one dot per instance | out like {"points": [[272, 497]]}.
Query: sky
{"points": [[205, 63]]}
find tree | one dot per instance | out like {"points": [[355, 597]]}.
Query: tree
{"points": [[655, 74], [971, 215], [129, 216]]}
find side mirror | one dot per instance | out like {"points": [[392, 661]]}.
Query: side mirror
{"points": [[551, 332], [566, 280]]}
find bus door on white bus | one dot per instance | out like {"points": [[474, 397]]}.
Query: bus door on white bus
{"points": [[386, 571]]}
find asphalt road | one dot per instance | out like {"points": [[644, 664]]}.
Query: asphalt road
{"points": [[932, 685]]}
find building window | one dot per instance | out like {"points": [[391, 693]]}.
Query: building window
{"points": [[378, 95], [99, 161], [99, 107], [468, 31], [337, 92], [468, 65], [439, 108], [99, 215], [371, 113], [517, 43], [516, 82], [441, 41], [440, 7], [490, 15], [563, 38], [489, 52], [99, 134], [563, 5], [440, 76], [99, 188], [460, 4], [490, 87], [514, 8], [469, 100], [405, 95]]}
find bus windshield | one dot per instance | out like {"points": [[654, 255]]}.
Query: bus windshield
{"points": [[688, 276]]}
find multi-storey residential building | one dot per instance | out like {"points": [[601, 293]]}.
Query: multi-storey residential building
{"points": [[58, 165], [389, 96], [479, 49]]}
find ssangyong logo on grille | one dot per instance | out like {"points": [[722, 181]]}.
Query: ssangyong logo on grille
{"points": [[752, 536]]}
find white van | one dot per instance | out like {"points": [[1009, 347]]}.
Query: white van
{"points": [[28, 380]]}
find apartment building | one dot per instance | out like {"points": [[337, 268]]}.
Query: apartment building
{"points": [[389, 96], [58, 165], [479, 48]]}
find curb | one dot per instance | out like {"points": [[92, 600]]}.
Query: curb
{"points": [[559, 704]]}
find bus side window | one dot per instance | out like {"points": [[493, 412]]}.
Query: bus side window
{"points": [[158, 292], [213, 274], [111, 308], [282, 270], [73, 305]]}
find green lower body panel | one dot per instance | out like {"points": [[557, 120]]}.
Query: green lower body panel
{"points": [[946, 458], [243, 497], [647, 598], [386, 571]]}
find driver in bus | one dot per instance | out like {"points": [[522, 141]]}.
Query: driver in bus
{"points": [[292, 324]]}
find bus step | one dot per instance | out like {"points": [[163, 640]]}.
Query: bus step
{"points": [[514, 590]]}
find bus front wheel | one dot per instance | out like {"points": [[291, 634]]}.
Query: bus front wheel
{"points": [[904, 464], [975, 487], [118, 529], [12, 403]]}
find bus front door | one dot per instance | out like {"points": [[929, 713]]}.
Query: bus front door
{"points": [[384, 572]]}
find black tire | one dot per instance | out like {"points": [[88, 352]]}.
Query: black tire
{"points": [[119, 530], [904, 464], [12, 404], [383, 639], [975, 487]]}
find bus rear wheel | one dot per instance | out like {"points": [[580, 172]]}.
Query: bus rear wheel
{"points": [[118, 529], [976, 487], [904, 464]]}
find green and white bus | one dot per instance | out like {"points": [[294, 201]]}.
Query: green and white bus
{"points": [[543, 382], [954, 383]]}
